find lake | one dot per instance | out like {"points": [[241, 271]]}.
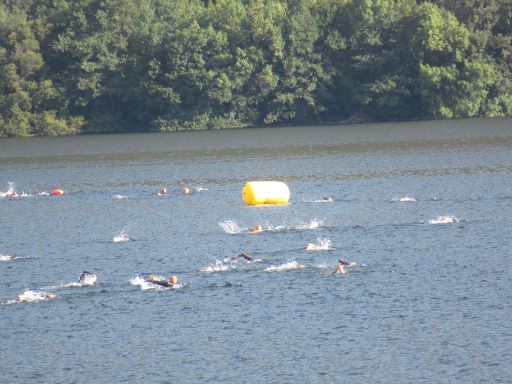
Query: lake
{"points": [[423, 208]]}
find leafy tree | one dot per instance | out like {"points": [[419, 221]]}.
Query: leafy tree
{"points": [[29, 102]]}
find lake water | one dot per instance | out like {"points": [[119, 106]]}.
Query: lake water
{"points": [[430, 300]]}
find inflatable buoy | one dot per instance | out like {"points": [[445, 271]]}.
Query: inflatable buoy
{"points": [[57, 191], [265, 192]]}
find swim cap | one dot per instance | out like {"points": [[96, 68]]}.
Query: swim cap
{"points": [[173, 279], [343, 262]]}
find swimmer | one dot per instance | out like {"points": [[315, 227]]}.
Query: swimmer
{"points": [[56, 191], [120, 238], [161, 192], [246, 256], [87, 278], [310, 247], [347, 263], [34, 296], [328, 199], [339, 269], [256, 229], [173, 280], [11, 194], [185, 190]]}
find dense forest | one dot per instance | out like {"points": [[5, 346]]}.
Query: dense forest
{"points": [[84, 66]]}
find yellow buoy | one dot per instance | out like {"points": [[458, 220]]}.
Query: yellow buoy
{"points": [[265, 192]]}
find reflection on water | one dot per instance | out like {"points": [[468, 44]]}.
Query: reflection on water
{"points": [[423, 208]]}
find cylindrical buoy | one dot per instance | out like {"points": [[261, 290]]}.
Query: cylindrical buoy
{"points": [[57, 191], [265, 192]]}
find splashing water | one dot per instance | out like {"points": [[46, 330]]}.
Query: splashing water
{"points": [[119, 197], [11, 191], [292, 264], [8, 257], [123, 236], [87, 278], [404, 199], [321, 245], [444, 220], [34, 296], [145, 285], [217, 267], [315, 223], [200, 189], [229, 227]]}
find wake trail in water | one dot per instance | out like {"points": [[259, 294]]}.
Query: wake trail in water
{"points": [[292, 264], [30, 296], [87, 279], [322, 200], [231, 227], [218, 266]]}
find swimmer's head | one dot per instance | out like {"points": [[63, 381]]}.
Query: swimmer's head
{"points": [[186, 190], [152, 278], [173, 279], [343, 262]]}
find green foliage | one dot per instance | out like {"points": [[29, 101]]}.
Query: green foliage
{"points": [[70, 66], [29, 102]]}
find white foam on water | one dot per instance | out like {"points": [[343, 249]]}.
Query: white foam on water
{"points": [[315, 223], [292, 264], [73, 284], [404, 199], [87, 279], [144, 284], [448, 219], [200, 189], [218, 266], [119, 197], [326, 199], [147, 285], [11, 190], [8, 257], [230, 227], [30, 296], [122, 236], [321, 245], [44, 193]]}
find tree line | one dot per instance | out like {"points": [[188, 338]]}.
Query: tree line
{"points": [[87, 66]]}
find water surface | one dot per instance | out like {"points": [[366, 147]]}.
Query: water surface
{"points": [[429, 301]]}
